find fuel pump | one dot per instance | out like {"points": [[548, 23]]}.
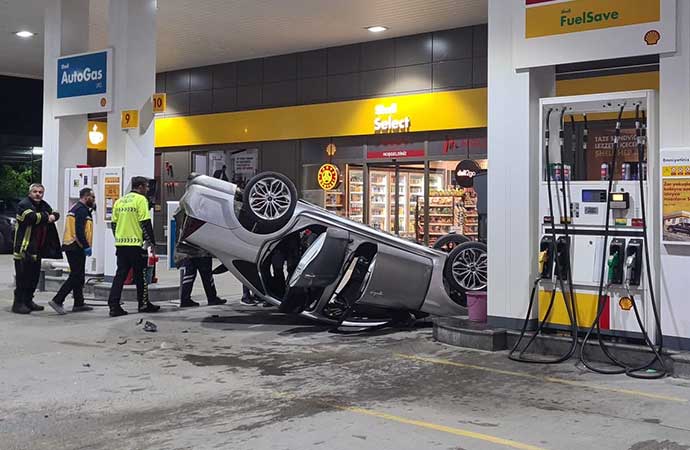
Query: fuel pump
{"points": [[106, 183], [595, 248]]}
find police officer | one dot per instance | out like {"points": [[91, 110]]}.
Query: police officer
{"points": [[76, 242], [131, 224], [188, 269], [34, 236]]}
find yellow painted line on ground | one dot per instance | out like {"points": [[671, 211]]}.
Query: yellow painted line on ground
{"points": [[544, 378], [418, 423], [442, 428]]}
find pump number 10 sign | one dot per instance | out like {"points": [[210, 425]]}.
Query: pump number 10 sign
{"points": [[129, 119]]}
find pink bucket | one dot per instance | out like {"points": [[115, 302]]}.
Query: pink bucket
{"points": [[476, 306]]}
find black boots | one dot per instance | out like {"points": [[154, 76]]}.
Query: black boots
{"points": [[216, 301], [33, 306], [188, 303], [19, 306], [24, 302], [148, 307], [117, 311]]}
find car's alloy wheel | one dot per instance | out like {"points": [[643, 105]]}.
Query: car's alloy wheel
{"points": [[467, 267], [270, 198]]}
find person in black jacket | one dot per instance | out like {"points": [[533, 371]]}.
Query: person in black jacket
{"points": [[76, 242], [221, 174], [35, 237]]}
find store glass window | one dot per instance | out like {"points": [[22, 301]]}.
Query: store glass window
{"points": [[451, 207], [334, 200]]}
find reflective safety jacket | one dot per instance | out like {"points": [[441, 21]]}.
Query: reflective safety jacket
{"points": [[78, 228], [131, 221], [34, 237]]}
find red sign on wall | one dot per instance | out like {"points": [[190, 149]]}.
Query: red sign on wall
{"points": [[394, 154]]}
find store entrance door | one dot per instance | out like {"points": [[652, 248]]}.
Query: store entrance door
{"points": [[394, 191]]}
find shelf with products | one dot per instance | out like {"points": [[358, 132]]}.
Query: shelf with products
{"points": [[449, 210]]}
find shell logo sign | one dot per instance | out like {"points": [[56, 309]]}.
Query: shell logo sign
{"points": [[328, 177]]}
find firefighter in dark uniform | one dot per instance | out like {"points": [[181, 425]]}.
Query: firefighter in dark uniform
{"points": [[76, 242], [133, 230], [35, 237]]}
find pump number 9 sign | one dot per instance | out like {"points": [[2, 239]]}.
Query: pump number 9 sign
{"points": [[129, 119]]}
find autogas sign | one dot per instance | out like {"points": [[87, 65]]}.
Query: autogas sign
{"points": [[82, 75], [83, 83]]}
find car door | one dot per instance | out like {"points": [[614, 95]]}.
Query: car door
{"points": [[397, 279]]}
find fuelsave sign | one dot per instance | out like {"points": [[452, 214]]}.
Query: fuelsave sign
{"points": [[82, 75], [552, 17]]}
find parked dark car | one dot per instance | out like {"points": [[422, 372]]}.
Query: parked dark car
{"points": [[680, 228], [8, 213]]}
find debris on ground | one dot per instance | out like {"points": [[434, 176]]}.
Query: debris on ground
{"points": [[122, 341], [185, 331], [86, 365], [150, 327]]}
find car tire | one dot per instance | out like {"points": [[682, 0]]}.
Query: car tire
{"points": [[466, 267], [270, 199], [448, 242], [4, 244]]}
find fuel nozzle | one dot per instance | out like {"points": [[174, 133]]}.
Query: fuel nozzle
{"points": [[633, 262], [543, 258], [630, 266], [546, 250], [613, 264], [615, 261]]}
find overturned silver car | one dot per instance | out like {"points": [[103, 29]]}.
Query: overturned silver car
{"points": [[307, 260]]}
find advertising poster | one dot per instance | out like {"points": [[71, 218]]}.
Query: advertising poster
{"points": [[244, 165], [600, 149], [112, 188], [675, 172]]}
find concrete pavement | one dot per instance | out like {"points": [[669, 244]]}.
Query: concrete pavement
{"points": [[238, 377]]}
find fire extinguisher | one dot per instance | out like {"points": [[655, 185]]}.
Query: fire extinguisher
{"points": [[151, 261]]}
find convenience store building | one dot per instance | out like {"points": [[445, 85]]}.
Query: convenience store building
{"points": [[401, 113]]}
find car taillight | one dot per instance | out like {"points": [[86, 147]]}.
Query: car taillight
{"points": [[190, 226]]}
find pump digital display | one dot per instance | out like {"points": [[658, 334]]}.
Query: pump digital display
{"points": [[620, 200], [593, 196]]}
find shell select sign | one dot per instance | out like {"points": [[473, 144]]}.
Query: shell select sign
{"points": [[328, 177]]}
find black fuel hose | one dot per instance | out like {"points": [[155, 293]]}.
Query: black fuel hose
{"points": [[634, 372], [622, 367], [520, 357], [572, 313], [600, 303]]}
